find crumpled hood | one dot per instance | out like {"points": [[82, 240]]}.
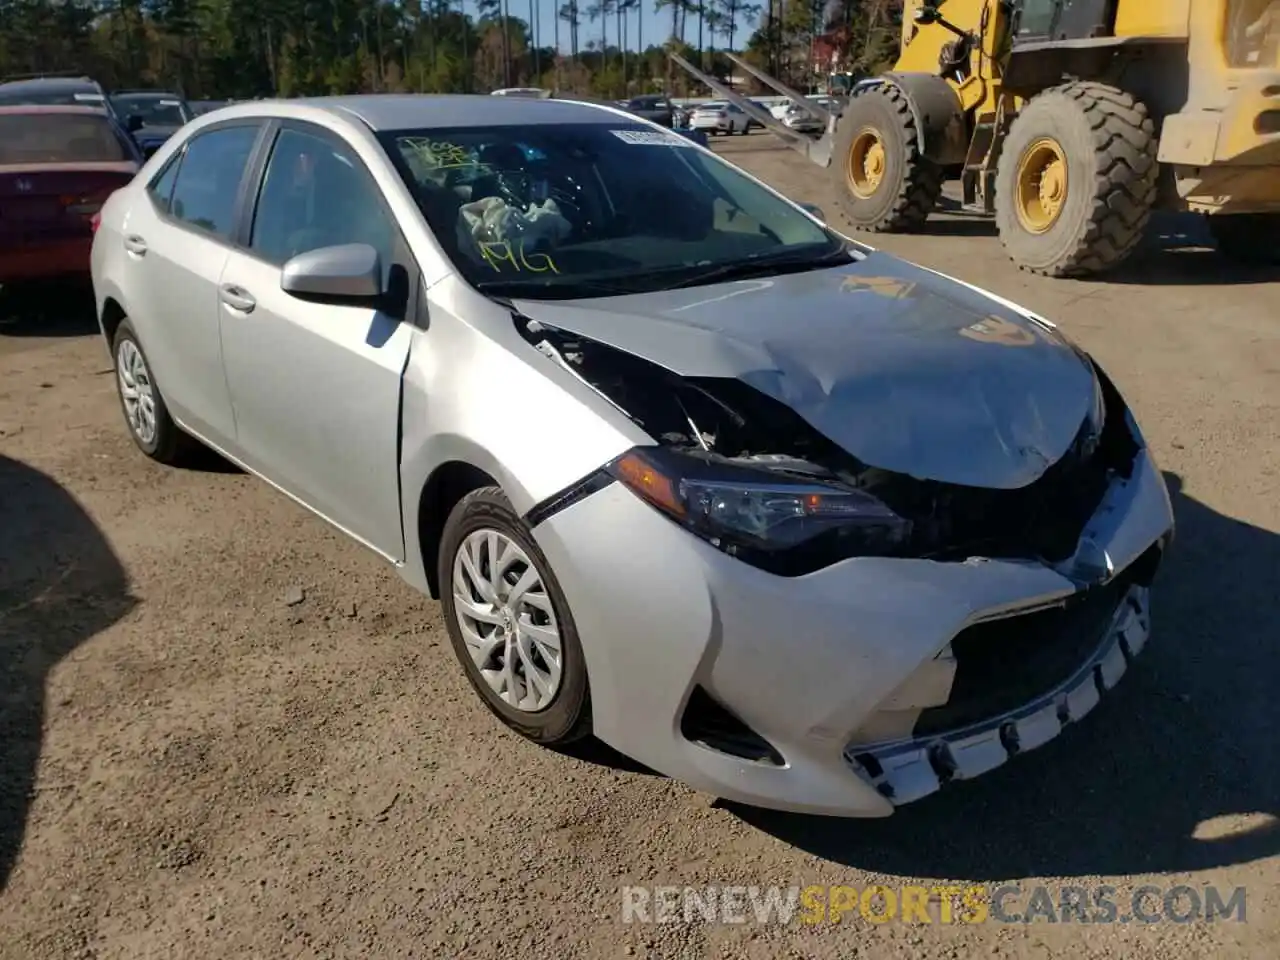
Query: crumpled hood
{"points": [[906, 370]]}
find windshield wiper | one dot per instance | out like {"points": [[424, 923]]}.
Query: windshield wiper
{"points": [[766, 266], [567, 288]]}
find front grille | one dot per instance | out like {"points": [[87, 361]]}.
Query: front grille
{"points": [[1004, 664]]}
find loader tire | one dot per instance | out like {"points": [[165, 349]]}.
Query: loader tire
{"points": [[902, 194], [1076, 180], [1252, 239]]}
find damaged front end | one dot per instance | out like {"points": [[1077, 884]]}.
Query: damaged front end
{"points": [[752, 477]]}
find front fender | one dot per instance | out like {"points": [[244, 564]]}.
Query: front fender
{"points": [[475, 392], [938, 114]]}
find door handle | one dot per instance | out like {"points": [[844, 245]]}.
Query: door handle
{"points": [[135, 244], [236, 298]]}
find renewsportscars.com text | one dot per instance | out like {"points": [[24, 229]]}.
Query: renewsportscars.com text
{"points": [[941, 904]]}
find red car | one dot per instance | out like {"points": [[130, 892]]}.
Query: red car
{"points": [[58, 165]]}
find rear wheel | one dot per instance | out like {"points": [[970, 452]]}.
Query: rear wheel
{"points": [[1076, 180], [884, 182], [1249, 238], [145, 413]]}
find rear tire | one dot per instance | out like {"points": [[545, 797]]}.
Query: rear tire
{"points": [[1091, 203], [483, 517], [901, 195], [143, 406], [1249, 238]]}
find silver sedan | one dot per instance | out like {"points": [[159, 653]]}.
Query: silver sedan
{"points": [[770, 511]]}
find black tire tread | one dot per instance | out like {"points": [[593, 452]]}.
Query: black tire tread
{"points": [[492, 504], [1125, 184], [921, 178]]}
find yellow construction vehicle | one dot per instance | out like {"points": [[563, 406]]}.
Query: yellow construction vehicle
{"points": [[1069, 121]]}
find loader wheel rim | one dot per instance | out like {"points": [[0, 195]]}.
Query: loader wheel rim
{"points": [[867, 162], [1042, 185]]}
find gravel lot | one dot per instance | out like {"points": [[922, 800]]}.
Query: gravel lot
{"points": [[225, 731]]}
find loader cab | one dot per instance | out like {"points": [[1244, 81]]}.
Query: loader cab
{"points": [[1040, 21]]}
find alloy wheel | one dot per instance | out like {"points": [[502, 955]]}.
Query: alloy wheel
{"points": [[136, 391], [507, 621]]}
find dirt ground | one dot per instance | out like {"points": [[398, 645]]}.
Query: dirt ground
{"points": [[194, 764]]}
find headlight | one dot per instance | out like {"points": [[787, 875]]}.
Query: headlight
{"points": [[785, 525]]}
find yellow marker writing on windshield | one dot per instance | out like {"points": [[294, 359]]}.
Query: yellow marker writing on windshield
{"points": [[499, 252]]}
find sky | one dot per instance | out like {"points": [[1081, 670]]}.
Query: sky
{"points": [[655, 25]]}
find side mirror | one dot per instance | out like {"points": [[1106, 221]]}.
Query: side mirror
{"points": [[349, 274], [926, 14], [133, 123], [814, 211]]}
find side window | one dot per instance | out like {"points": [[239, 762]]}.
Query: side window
{"points": [[212, 167], [161, 187], [317, 193]]}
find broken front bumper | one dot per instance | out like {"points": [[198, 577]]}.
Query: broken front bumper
{"points": [[810, 693], [915, 767]]}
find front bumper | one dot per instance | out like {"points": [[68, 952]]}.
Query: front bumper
{"points": [[831, 670]]}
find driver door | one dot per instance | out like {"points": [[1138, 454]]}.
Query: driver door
{"points": [[315, 388]]}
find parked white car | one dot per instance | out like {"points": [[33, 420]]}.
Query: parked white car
{"points": [[720, 116]]}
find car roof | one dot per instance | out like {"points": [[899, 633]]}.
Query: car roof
{"points": [[74, 83], [395, 111], [27, 108]]}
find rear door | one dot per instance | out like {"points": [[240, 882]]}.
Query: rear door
{"points": [[176, 242], [316, 387]]}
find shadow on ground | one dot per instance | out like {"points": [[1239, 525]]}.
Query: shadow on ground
{"points": [[600, 754], [1188, 737], [63, 309], [1177, 250], [60, 584]]}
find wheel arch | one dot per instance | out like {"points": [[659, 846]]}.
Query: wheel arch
{"points": [[111, 317], [938, 114], [444, 487]]}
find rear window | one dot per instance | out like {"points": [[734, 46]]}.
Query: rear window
{"points": [[59, 138]]}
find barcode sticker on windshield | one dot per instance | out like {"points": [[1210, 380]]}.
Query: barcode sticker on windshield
{"points": [[88, 97], [652, 138], [170, 103]]}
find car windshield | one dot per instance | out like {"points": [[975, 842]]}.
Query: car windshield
{"points": [[153, 111], [560, 211], [59, 138]]}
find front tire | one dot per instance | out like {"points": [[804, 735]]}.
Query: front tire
{"points": [[1249, 238], [1076, 181], [510, 623], [145, 413], [883, 181]]}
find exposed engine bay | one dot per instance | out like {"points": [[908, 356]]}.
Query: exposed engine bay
{"points": [[726, 421]]}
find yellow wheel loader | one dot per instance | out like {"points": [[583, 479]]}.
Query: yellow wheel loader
{"points": [[1069, 121]]}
